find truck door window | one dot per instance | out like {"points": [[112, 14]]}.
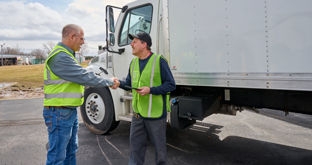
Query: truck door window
{"points": [[136, 20]]}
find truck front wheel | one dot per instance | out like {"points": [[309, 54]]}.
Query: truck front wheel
{"points": [[97, 111]]}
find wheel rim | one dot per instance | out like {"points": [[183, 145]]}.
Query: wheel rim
{"points": [[95, 108]]}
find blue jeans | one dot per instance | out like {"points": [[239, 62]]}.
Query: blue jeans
{"points": [[140, 131], [62, 126]]}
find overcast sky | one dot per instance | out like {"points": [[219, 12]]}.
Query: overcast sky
{"points": [[28, 24]]}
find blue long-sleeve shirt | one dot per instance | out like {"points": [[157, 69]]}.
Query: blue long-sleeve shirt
{"points": [[68, 69]]}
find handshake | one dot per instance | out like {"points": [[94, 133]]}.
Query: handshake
{"points": [[115, 83]]}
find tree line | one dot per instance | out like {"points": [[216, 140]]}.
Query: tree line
{"points": [[40, 54]]}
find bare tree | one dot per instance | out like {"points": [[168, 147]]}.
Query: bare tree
{"points": [[48, 47], [9, 50], [40, 54], [84, 49]]}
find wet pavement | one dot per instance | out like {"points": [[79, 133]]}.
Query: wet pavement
{"points": [[247, 138]]}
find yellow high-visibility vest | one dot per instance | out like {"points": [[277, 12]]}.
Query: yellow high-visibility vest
{"points": [[57, 91], [149, 106]]}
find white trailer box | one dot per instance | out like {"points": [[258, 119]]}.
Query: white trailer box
{"points": [[241, 44]]}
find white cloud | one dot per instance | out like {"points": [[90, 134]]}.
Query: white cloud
{"points": [[43, 20], [20, 21]]}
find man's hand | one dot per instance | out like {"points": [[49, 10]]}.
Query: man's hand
{"points": [[116, 83], [143, 90]]}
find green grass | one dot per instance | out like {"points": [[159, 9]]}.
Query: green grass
{"points": [[25, 76]]}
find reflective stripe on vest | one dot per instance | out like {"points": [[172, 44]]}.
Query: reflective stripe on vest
{"points": [[62, 95], [51, 82], [151, 84], [59, 92]]}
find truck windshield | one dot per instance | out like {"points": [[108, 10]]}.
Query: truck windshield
{"points": [[136, 20]]}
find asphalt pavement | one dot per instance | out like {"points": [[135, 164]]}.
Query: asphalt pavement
{"points": [[248, 138]]}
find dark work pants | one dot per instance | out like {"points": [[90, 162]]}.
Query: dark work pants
{"points": [[143, 129]]}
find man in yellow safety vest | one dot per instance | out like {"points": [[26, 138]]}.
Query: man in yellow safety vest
{"points": [[151, 82], [64, 81]]}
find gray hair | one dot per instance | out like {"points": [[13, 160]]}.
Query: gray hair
{"points": [[70, 28]]}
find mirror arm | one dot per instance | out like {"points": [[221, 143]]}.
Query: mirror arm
{"points": [[120, 51]]}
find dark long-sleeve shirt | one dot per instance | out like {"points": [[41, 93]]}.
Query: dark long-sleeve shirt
{"points": [[167, 80], [68, 69]]}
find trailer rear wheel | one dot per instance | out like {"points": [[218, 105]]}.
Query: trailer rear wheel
{"points": [[97, 111]]}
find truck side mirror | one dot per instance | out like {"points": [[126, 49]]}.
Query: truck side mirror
{"points": [[111, 39], [111, 19]]}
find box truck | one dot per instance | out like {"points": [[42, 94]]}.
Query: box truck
{"points": [[224, 55]]}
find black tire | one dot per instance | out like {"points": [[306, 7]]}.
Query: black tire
{"points": [[97, 111], [176, 121]]}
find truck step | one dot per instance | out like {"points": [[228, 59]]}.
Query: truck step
{"points": [[125, 98], [125, 117]]}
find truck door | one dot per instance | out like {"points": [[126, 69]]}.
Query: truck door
{"points": [[133, 20]]}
